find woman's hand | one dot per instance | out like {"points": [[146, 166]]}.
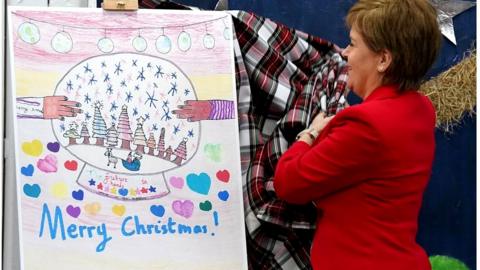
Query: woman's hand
{"points": [[320, 121]]}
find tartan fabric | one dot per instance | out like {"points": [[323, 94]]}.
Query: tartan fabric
{"points": [[283, 79]]}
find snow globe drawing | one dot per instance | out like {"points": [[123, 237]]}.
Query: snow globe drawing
{"points": [[127, 136]]}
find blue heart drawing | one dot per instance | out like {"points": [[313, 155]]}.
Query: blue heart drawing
{"points": [[77, 195], [223, 195], [32, 190], [123, 192], [199, 183], [157, 210], [27, 171]]}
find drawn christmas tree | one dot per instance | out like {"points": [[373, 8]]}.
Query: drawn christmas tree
{"points": [[112, 136], [99, 126], [151, 144], [85, 133], [181, 152], [168, 153], [72, 133], [161, 144], [139, 138], [124, 130]]}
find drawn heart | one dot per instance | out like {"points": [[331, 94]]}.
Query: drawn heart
{"points": [[27, 171], [59, 190], [48, 164], [199, 183], [157, 210], [71, 165], [213, 152], [34, 148], [223, 176], [176, 182], [206, 206], [223, 195], [184, 209], [53, 146], [118, 209], [73, 211], [123, 192], [92, 208], [32, 190], [78, 195]]}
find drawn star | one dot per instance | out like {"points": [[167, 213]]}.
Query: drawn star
{"points": [[103, 64], [140, 120], [109, 89], [87, 116], [92, 80], [118, 69], [173, 90], [87, 99], [159, 72], [186, 92], [155, 127], [91, 182], [123, 83], [174, 75], [129, 97], [135, 111], [446, 10], [107, 78], [87, 69], [134, 62], [100, 186], [149, 65], [155, 85], [137, 87], [190, 133], [140, 75], [152, 189], [69, 86], [176, 129], [113, 190], [147, 116], [113, 106], [144, 190], [133, 192], [151, 98]]}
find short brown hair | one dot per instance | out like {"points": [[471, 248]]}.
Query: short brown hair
{"points": [[407, 28]]}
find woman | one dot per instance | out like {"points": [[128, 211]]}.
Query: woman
{"points": [[367, 170]]}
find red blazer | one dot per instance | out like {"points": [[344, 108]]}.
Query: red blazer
{"points": [[366, 173]]}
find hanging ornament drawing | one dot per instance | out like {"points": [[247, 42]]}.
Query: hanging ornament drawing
{"points": [[208, 40], [139, 43], [62, 42], [29, 32], [184, 41], [105, 44], [163, 43], [227, 32]]}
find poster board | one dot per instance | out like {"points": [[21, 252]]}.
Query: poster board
{"points": [[126, 139]]}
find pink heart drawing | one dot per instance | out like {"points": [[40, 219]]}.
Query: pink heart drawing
{"points": [[184, 209], [48, 164], [176, 182]]}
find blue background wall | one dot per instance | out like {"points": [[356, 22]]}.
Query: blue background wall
{"points": [[447, 220]]}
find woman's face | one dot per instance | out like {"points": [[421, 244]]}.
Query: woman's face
{"points": [[363, 66]]}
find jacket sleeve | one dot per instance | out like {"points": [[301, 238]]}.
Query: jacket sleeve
{"points": [[346, 155]]}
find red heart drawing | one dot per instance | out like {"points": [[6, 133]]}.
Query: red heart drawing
{"points": [[223, 176], [71, 165]]}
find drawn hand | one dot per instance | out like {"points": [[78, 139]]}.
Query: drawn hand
{"points": [[58, 107], [194, 110]]}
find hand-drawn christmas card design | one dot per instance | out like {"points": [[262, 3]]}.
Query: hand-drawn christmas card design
{"points": [[126, 139]]}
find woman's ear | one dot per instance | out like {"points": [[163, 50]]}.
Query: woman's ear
{"points": [[385, 60]]}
